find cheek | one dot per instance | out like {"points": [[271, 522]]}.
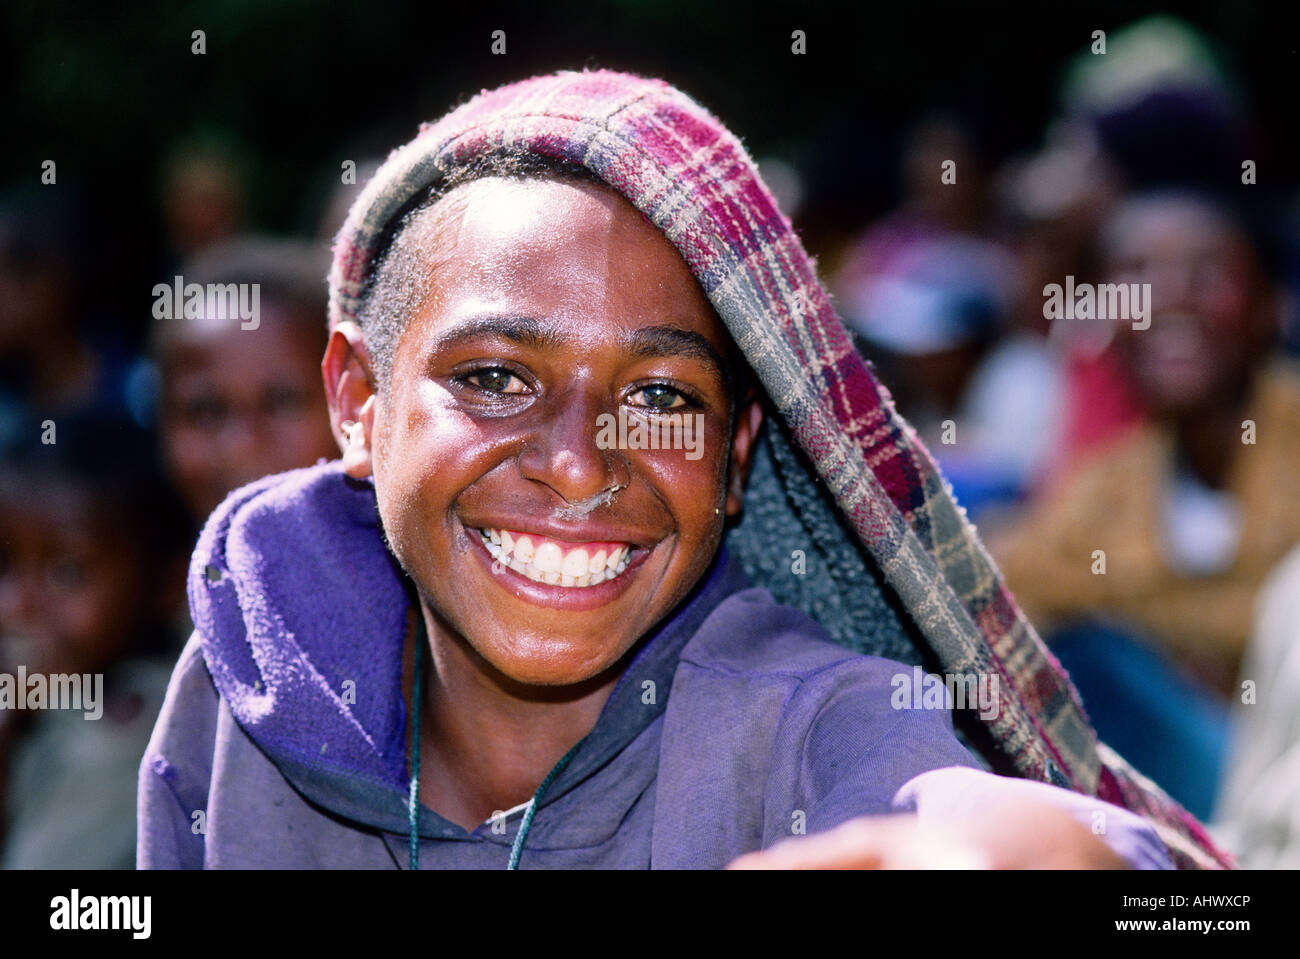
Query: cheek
{"points": [[96, 616], [425, 455], [194, 468], [188, 448], [1227, 302], [693, 480], [309, 438]]}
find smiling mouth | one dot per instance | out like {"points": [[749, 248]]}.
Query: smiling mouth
{"points": [[552, 563]]}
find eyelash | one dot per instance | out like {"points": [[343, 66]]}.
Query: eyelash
{"points": [[467, 379], [690, 400]]}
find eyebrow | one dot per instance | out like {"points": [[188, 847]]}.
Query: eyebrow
{"points": [[527, 331], [524, 330], [652, 341]]}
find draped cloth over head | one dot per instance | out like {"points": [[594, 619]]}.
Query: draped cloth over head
{"points": [[892, 566]]}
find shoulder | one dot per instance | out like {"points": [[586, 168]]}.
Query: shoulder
{"points": [[780, 669], [750, 635], [190, 679], [1280, 379], [180, 749]]}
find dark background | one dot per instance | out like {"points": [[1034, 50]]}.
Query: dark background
{"points": [[297, 86]]}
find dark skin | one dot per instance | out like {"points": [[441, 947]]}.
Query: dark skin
{"points": [[1214, 317], [240, 404], [547, 306], [542, 294], [74, 589]]}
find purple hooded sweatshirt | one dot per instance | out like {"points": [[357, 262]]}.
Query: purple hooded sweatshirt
{"points": [[737, 724]]}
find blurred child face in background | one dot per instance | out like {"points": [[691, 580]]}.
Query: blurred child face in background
{"points": [[1213, 310], [73, 587], [578, 307], [241, 404]]}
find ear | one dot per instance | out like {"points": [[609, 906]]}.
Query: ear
{"points": [[748, 422], [350, 390]]}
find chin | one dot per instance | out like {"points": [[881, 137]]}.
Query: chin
{"points": [[547, 665]]}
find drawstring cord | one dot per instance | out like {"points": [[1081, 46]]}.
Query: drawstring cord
{"points": [[518, 848], [415, 744]]}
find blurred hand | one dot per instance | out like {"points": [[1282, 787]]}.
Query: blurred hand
{"points": [[1026, 835]]}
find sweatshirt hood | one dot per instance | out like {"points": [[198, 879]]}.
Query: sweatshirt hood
{"points": [[302, 613]]}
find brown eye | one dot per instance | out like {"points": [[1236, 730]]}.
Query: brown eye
{"points": [[497, 380], [659, 397], [67, 575]]}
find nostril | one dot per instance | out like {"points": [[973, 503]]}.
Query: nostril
{"points": [[214, 575]]}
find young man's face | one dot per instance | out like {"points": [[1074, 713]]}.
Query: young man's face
{"points": [[552, 303]]}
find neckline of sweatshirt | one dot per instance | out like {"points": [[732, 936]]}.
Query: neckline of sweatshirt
{"points": [[301, 611]]}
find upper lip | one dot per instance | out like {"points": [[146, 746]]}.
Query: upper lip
{"points": [[591, 532]]}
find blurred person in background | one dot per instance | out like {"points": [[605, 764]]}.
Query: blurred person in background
{"points": [[241, 403], [934, 303], [1258, 813], [90, 563], [943, 193], [203, 196], [50, 362], [1189, 509], [1159, 108], [1049, 207], [935, 319]]}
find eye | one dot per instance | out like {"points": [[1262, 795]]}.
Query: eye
{"points": [[204, 412], [496, 379], [67, 574], [658, 396]]}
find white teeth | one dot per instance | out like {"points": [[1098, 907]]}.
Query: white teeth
{"points": [[548, 558], [548, 563], [575, 563]]}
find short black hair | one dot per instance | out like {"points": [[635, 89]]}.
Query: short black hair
{"points": [[113, 462], [393, 289], [288, 273]]}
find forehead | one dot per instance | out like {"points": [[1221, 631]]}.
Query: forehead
{"points": [[51, 513], [221, 345], [554, 250], [1171, 225]]}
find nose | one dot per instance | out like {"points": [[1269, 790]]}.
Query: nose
{"points": [[242, 437], [563, 451], [1172, 286]]}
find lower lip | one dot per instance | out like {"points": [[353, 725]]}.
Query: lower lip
{"points": [[572, 598]]}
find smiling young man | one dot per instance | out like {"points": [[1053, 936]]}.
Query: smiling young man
{"points": [[541, 560], [485, 638]]}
